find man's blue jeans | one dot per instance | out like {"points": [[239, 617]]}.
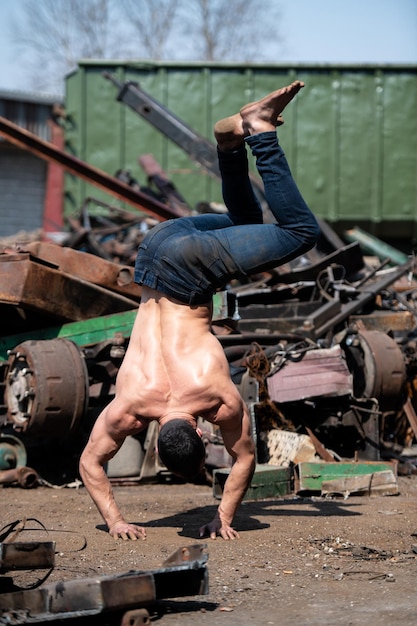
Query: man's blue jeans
{"points": [[190, 258]]}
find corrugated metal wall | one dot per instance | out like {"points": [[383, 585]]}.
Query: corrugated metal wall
{"points": [[22, 174], [350, 135], [22, 184]]}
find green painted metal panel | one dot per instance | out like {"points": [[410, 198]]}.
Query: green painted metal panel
{"points": [[84, 333], [139, 137], [268, 481], [350, 136], [74, 134], [188, 94], [311, 476], [399, 147], [98, 329], [314, 158], [358, 135]]}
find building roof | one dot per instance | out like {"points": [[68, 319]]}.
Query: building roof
{"points": [[32, 97]]}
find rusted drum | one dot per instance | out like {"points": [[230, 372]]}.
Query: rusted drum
{"points": [[379, 369], [46, 387]]}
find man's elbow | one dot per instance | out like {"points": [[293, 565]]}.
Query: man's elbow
{"points": [[82, 467], [250, 462], [86, 466]]}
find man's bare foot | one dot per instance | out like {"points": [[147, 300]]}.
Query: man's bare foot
{"points": [[261, 116], [255, 117], [229, 132]]}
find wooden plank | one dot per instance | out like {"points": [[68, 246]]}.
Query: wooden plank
{"points": [[286, 447], [411, 415]]}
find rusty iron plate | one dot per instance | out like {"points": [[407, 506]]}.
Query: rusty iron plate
{"points": [[81, 598], [89, 267], [28, 283], [319, 373], [25, 555]]}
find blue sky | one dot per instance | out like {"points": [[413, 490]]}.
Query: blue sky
{"points": [[359, 31], [313, 31]]}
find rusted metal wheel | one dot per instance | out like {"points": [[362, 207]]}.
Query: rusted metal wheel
{"points": [[12, 452], [378, 368], [46, 387]]}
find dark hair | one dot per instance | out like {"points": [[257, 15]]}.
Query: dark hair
{"points": [[181, 448]]}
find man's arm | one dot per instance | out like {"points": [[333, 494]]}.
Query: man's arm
{"points": [[101, 447], [238, 441]]}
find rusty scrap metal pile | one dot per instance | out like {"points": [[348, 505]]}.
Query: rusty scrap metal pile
{"points": [[323, 348]]}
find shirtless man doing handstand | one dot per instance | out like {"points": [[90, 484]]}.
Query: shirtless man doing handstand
{"points": [[175, 370]]}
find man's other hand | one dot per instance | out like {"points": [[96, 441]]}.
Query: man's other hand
{"points": [[215, 529], [127, 531]]}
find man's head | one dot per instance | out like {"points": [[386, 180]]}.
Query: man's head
{"points": [[181, 449]]}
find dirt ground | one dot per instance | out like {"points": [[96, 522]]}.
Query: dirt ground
{"points": [[298, 560]]}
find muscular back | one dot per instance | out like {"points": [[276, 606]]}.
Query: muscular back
{"points": [[174, 363]]}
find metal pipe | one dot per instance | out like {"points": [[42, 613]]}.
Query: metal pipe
{"points": [[364, 296], [45, 150], [372, 245], [24, 476]]}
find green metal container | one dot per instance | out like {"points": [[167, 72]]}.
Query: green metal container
{"points": [[350, 135]]}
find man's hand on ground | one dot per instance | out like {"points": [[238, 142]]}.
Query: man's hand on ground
{"points": [[214, 529], [127, 531]]}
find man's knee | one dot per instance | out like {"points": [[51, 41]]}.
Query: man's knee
{"points": [[314, 233], [310, 234]]}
